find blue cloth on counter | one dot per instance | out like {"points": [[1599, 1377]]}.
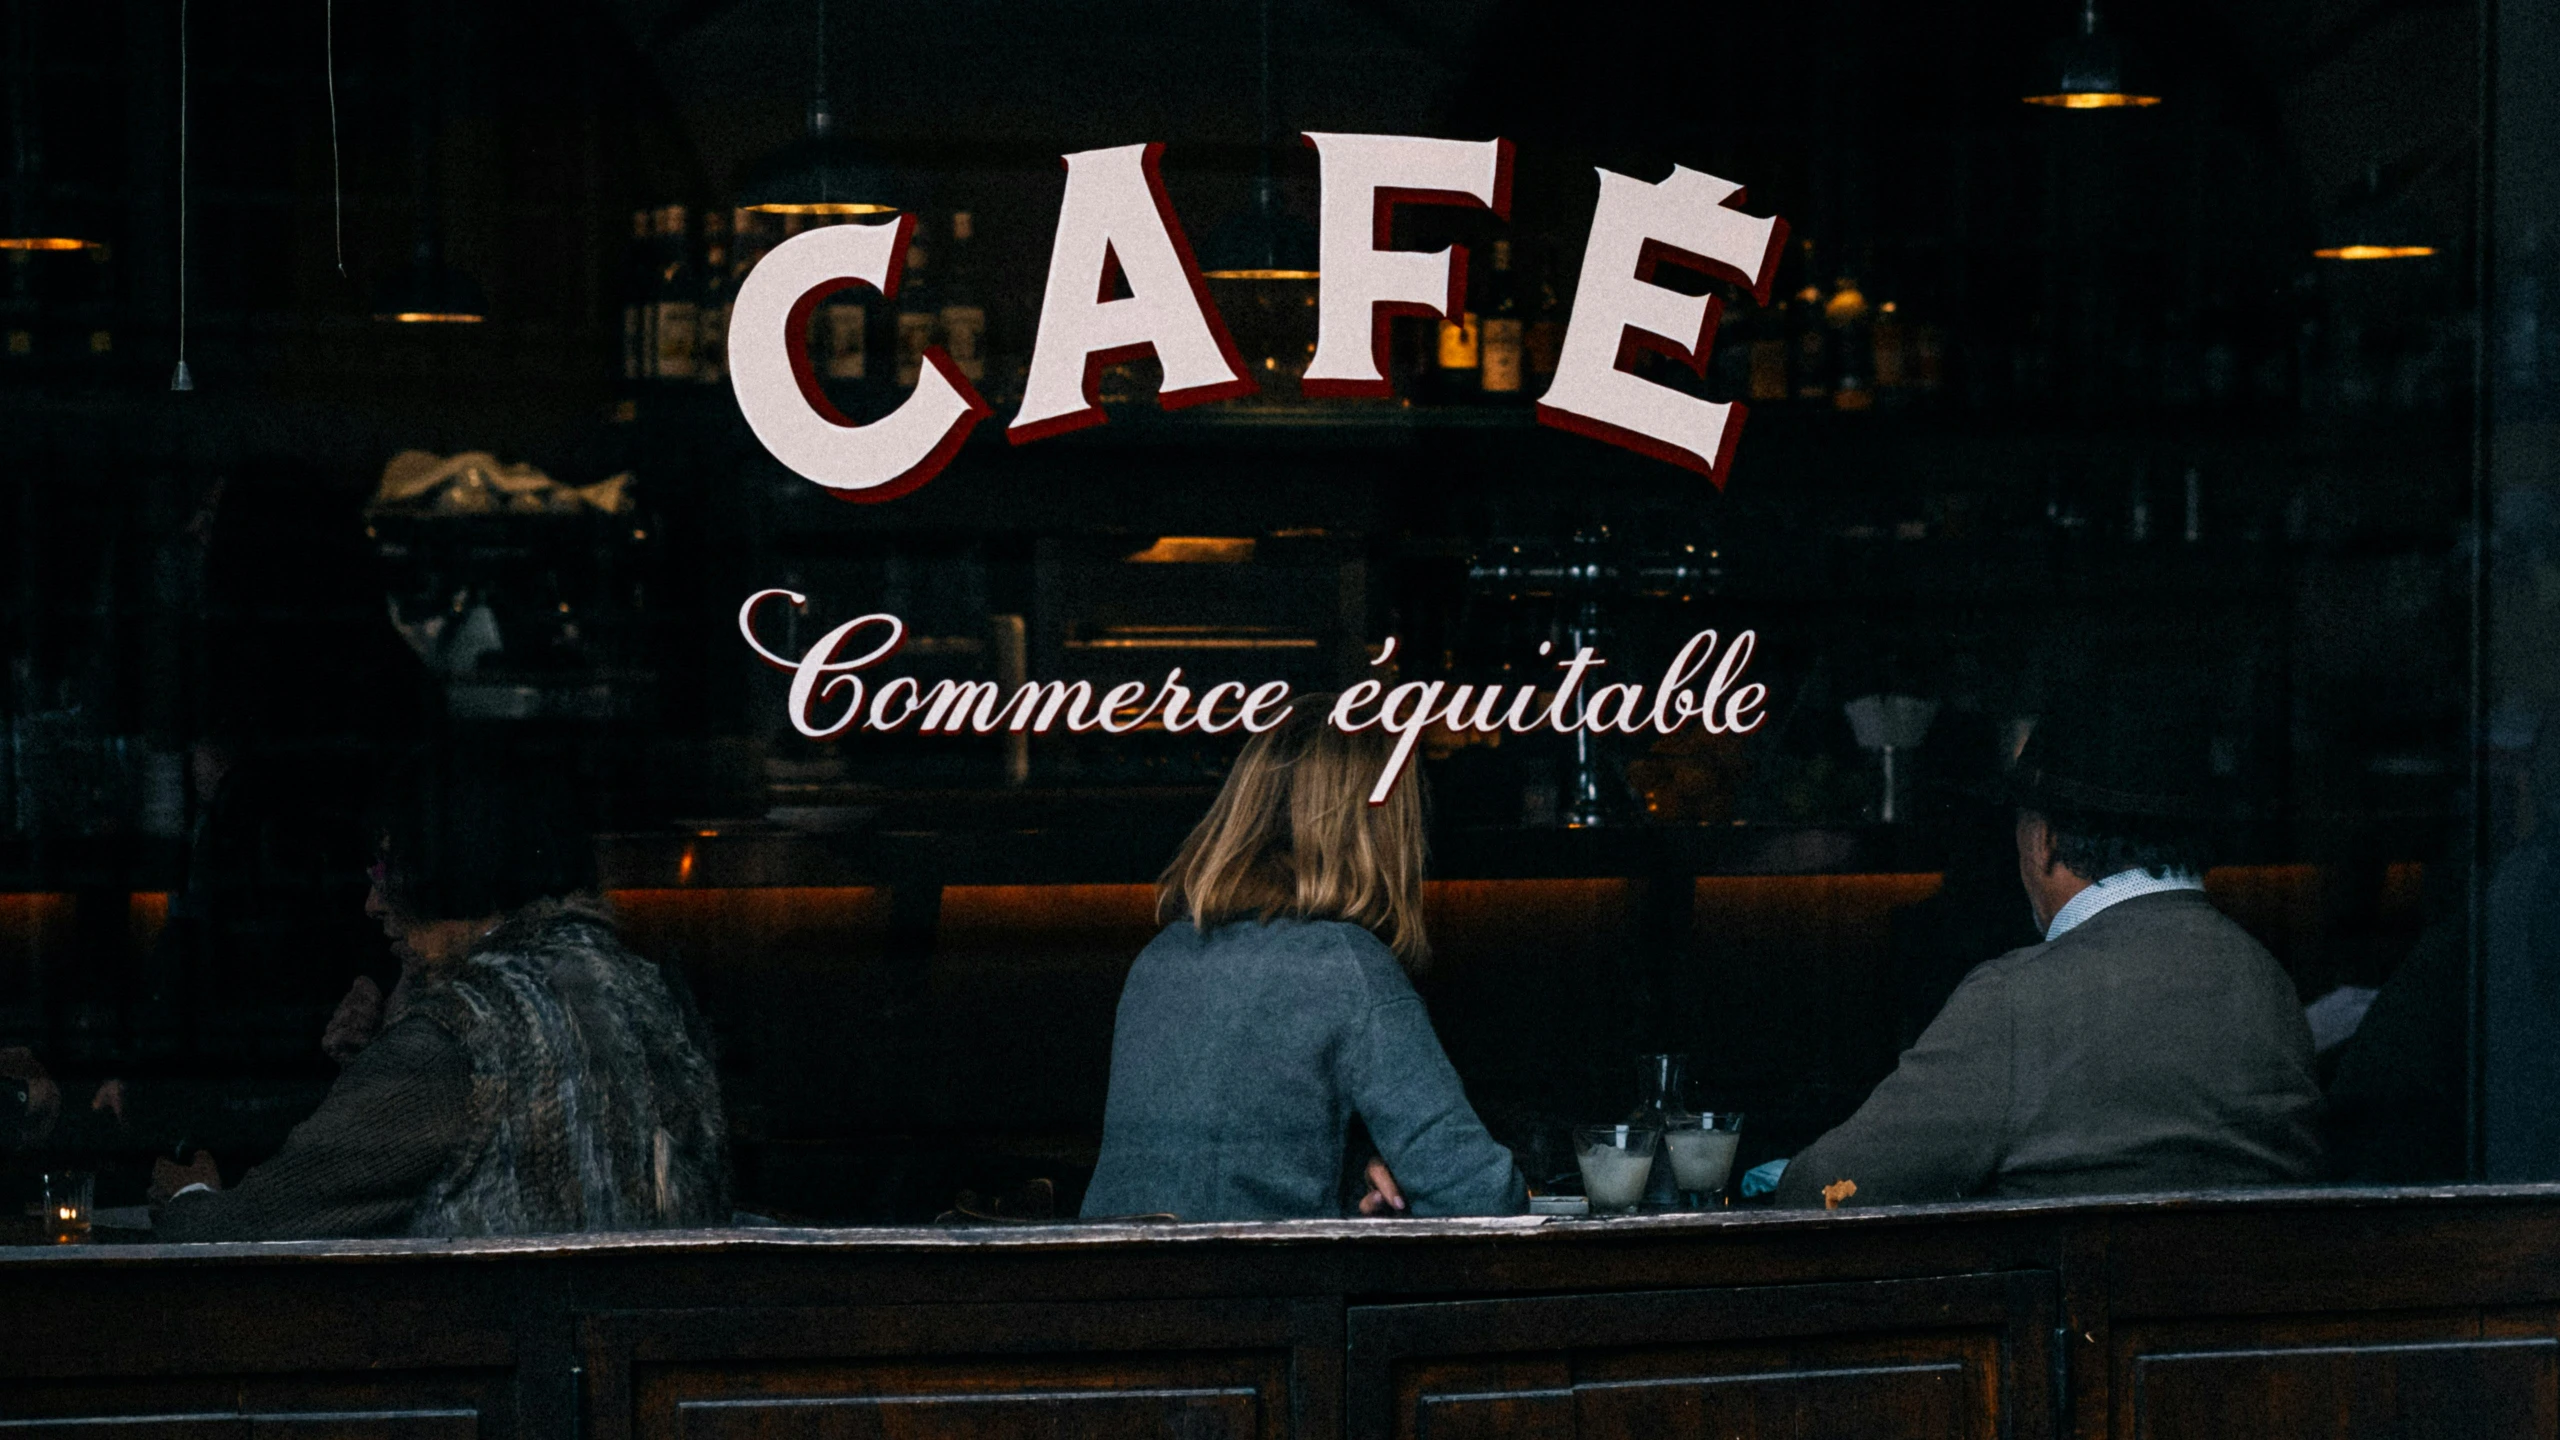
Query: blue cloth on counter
{"points": [[1759, 1180]]}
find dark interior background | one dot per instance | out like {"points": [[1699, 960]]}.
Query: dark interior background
{"points": [[2155, 446]]}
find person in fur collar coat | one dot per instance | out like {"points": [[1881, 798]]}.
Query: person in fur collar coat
{"points": [[530, 1074]]}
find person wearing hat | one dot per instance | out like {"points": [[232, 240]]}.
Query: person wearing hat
{"points": [[2147, 1043]]}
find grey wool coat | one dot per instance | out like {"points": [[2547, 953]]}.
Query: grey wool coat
{"points": [[552, 1083], [1240, 1058], [2153, 1047]]}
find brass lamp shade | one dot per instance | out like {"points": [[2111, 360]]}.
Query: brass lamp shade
{"points": [[2087, 71], [823, 173], [2372, 223], [1260, 244], [430, 292]]}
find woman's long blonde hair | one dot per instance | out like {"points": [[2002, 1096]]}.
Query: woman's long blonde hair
{"points": [[1293, 833]]}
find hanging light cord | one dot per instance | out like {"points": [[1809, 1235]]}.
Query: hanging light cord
{"points": [[821, 111], [1266, 110], [822, 119], [337, 187], [180, 379]]}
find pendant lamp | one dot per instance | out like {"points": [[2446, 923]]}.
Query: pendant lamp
{"points": [[430, 292], [2370, 223], [2088, 71], [427, 291], [35, 223], [1261, 243], [823, 172]]}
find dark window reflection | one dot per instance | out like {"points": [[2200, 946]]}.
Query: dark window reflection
{"points": [[2046, 403]]}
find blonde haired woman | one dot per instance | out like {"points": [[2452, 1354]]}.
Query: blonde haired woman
{"points": [[1273, 1009]]}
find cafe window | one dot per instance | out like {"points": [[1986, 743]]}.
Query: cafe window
{"points": [[2131, 419]]}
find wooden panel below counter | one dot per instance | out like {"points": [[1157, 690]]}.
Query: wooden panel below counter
{"points": [[2335, 1314]]}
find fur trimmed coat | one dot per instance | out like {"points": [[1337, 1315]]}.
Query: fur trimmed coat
{"points": [[592, 1104], [552, 1082]]}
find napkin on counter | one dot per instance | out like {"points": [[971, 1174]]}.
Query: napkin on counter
{"points": [[1759, 1180]]}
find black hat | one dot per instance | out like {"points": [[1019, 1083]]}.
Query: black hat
{"points": [[2125, 759]]}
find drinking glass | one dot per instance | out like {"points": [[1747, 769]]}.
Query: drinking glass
{"points": [[68, 1195], [1701, 1148], [1616, 1161]]}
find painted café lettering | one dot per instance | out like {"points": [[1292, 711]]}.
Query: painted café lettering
{"points": [[828, 698], [1115, 222]]}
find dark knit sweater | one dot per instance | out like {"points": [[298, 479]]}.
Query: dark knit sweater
{"points": [[551, 1083], [360, 1163]]}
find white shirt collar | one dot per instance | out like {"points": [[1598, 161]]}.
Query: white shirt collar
{"points": [[2115, 890]]}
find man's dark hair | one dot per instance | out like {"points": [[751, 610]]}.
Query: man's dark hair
{"points": [[477, 830], [2094, 847]]}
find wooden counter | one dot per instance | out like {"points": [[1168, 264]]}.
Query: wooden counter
{"points": [[2293, 1313]]}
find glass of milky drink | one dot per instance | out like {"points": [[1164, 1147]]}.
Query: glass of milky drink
{"points": [[1616, 1161], [1701, 1149]]}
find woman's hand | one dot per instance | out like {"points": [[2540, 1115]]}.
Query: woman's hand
{"points": [[358, 1020], [1383, 1196], [168, 1177]]}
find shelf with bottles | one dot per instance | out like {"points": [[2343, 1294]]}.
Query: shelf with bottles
{"points": [[683, 271], [1828, 344]]}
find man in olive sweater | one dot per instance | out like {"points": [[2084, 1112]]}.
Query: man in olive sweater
{"points": [[2147, 1044]]}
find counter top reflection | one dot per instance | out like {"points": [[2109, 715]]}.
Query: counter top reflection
{"points": [[2330, 1312]]}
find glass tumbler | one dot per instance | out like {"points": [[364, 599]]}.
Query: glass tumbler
{"points": [[1701, 1147], [68, 1196], [1616, 1161]]}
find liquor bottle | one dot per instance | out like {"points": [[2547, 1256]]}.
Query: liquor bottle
{"points": [[749, 243], [1505, 334], [1808, 339], [711, 365], [638, 279], [916, 311], [963, 316], [1737, 327], [678, 315], [1844, 315], [1891, 363], [1543, 341], [1928, 358], [1765, 380], [840, 334], [1457, 371]]}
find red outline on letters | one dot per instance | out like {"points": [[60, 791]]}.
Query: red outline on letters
{"points": [[795, 340], [1095, 361], [1382, 235], [1649, 260], [942, 452]]}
